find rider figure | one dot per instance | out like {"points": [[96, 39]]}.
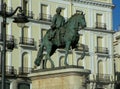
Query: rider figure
{"points": [[57, 21]]}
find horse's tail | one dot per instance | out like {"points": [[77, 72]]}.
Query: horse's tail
{"points": [[39, 56], [83, 54]]}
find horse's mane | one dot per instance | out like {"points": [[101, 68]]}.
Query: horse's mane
{"points": [[69, 20]]}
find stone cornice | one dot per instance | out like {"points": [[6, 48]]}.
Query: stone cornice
{"points": [[60, 71], [99, 30], [96, 3]]}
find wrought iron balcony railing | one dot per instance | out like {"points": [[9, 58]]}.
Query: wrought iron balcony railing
{"points": [[80, 47], [29, 14], [26, 41], [45, 17], [9, 41], [103, 78], [100, 25], [9, 70], [101, 50], [24, 70], [9, 38], [8, 9]]}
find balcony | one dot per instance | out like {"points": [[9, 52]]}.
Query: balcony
{"points": [[24, 41], [45, 17], [102, 50], [100, 25], [10, 9], [82, 47], [29, 14], [103, 78], [10, 71], [23, 71], [9, 41], [8, 38]]}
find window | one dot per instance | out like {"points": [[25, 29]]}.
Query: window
{"points": [[25, 60], [99, 18], [100, 67], [25, 6], [25, 32], [99, 23], [99, 47], [24, 64], [99, 41], [44, 14]]}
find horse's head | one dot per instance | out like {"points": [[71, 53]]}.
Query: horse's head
{"points": [[77, 20], [81, 19]]}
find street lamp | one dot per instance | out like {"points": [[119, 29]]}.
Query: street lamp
{"points": [[21, 19]]}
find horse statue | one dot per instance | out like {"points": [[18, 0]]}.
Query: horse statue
{"points": [[68, 37]]}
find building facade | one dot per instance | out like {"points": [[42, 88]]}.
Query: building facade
{"points": [[116, 45], [97, 38]]}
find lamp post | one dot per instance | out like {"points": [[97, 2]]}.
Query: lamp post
{"points": [[21, 19]]}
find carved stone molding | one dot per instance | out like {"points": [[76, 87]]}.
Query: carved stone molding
{"points": [[91, 2]]}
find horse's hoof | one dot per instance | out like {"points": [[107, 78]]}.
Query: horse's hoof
{"points": [[66, 64]]}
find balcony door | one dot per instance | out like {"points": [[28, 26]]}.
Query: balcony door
{"points": [[99, 41], [98, 17], [24, 35], [25, 60], [98, 20], [25, 32], [44, 15], [24, 66], [99, 44], [25, 6], [100, 67]]}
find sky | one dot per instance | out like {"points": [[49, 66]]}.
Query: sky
{"points": [[116, 15]]}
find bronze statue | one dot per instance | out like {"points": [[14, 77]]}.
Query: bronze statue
{"points": [[70, 38], [57, 22]]}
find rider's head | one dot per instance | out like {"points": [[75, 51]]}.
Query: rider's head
{"points": [[58, 10]]}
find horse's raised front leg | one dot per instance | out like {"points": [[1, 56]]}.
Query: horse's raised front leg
{"points": [[66, 54], [37, 61]]}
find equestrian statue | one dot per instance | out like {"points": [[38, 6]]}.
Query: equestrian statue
{"points": [[61, 35]]}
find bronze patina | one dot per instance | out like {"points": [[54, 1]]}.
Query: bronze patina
{"points": [[57, 22], [68, 37]]}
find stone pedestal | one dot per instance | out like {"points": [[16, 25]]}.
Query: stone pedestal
{"points": [[59, 78]]}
